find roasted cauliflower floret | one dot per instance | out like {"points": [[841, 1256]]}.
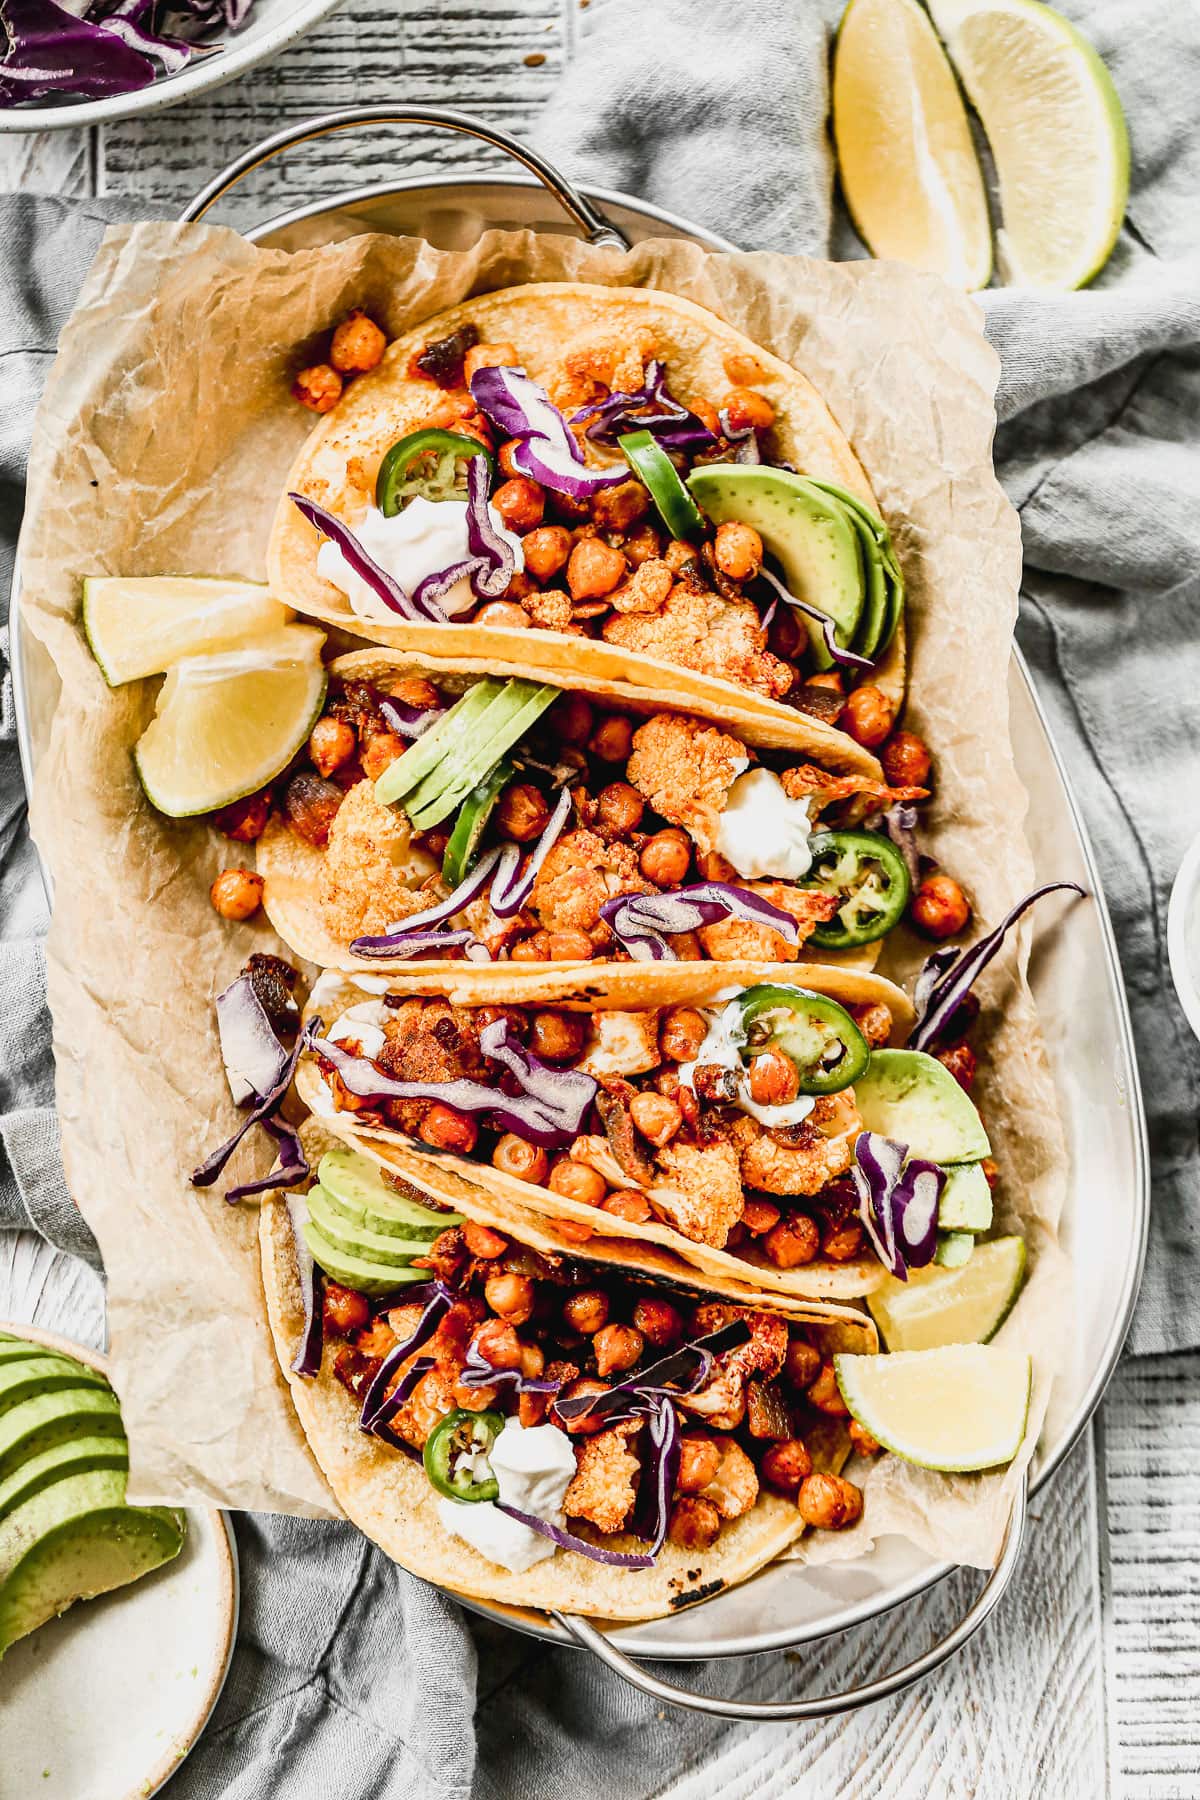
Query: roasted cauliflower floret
{"points": [[722, 1399], [732, 939], [603, 1490], [579, 875], [821, 789], [370, 873], [803, 1158], [686, 770], [697, 629], [699, 1190], [621, 1043], [734, 1488]]}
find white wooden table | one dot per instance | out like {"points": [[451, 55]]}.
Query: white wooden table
{"points": [[1088, 1681]]}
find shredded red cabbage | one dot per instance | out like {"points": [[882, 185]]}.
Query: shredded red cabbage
{"points": [[898, 1202], [267, 1107], [900, 823], [408, 721], [107, 49], [672, 424], [949, 974], [509, 895], [641, 920], [307, 1360], [744, 436], [293, 1163], [384, 586], [495, 560], [566, 1540], [849, 659], [378, 1407], [477, 1372], [652, 1509], [682, 1372], [546, 450], [250, 1049]]}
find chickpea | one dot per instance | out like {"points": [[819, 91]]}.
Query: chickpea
{"points": [[825, 1395], [414, 690], [497, 1342], [641, 545], [617, 1348], [712, 866], [483, 1242], [530, 949], [557, 1036], [802, 1363], [586, 1310], [331, 743], [345, 1310], [656, 1117], [939, 908], [786, 1464], [318, 388], [681, 1034], [488, 356], [827, 1502], [774, 1078], [862, 1440], [504, 456], [961, 1062], [527, 1162], [533, 1361], [546, 551], [742, 369], [612, 739], [504, 614], [695, 1523], [520, 503], [868, 716], [587, 1425], [794, 1241], [666, 858], [666, 1081], [617, 508], [630, 1204], [906, 760], [511, 1296], [571, 1231], [699, 1460], [829, 679], [594, 569], [874, 1021], [244, 820], [575, 1181], [572, 718], [759, 1216], [842, 1243], [619, 809], [445, 1129], [522, 813], [738, 550], [659, 1322], [746, 407], [569, 946], [381, 752], [237, 893], [357, 344]]}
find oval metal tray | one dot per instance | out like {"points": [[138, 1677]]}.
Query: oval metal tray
{"points": [[1075, 976]]}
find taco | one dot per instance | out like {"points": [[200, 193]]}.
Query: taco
{"points": [[519, 1422], [497, 823], [760, 1132], [618, 476]]}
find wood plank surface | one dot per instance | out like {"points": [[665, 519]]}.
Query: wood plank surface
{"points": [[1088, 1681]]}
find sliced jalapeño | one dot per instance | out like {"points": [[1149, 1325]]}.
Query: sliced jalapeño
{"points": [[869, 878], [431, 464], [816, 1035], [456, 1453], [654, 468]]}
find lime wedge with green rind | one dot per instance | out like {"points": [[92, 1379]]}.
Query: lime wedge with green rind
{"points": [[938, 1306], [956, 1409]]}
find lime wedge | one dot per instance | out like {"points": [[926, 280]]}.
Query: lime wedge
{"points": [[964, 1305], [226, 724], [958, 1408], [1057, 134], [909, 171], [140, 625]]}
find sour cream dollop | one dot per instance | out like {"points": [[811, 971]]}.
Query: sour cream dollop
{"points": [[534, 1466], [724, 1044], [762, 832], [426, 537]]}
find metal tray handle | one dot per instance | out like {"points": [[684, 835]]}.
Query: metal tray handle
{"points": [[989, 1598], [593, 224]]}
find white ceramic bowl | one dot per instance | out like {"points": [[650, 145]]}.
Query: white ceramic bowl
{"points": [[270, 28], [1183, 935]]}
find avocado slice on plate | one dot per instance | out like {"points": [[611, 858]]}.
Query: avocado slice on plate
{"points": [[357, 1239], [423, 756], [73, 1456], [42, 1374], [360, 1193], [808, 532], [966, 1202], [914, 1099], [359, 1272], [46, 1419]]}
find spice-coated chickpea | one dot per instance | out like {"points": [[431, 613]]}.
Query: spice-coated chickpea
{"points": [[666, 857], [802, 1363], [617, 508], [380, 753], [828, 1502], [244, 820], [906, 760], [527, 1162], [594, 569], [658, 1321], [575, 1181], [939, 908], [678, 554], [875, 1022], [793, 1242], [318, 388], [786, 1464], [345, 1310], [572, 718], [825, 1394], [504, 456], [774, 1079], [842, 1243], [546, 551], [681, 1033], [522, 813], [414, 690], [357, 344], [569, 946], [656, 1117], [868, 716], [483, 1242], [617, 1348], [628, 1203], [863, 1442], [445, 1129], [331, 743], [619, 808], [962, 1063], [586, 1310], [488, 356], [557, 1036], [759, 1216], [236, 893], [511, 1296], [747, 407], [520, 503], [497, 1342], [641, 545], [695, 1523], [503, 614], [738, 550], [612, 739], [743, 369], [699, 1460]]}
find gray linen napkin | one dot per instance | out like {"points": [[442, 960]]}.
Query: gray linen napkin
{"points": [[718, 113]]}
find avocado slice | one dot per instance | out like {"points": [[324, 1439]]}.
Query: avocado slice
{"points": [[462, 851], [914, 1099], [954, 1248], [423, 756], [46, 1419], [966, 1203], [361, 1194], [21, 1349], [873, 637], [73, 1456], [359, 1272], [43, 1374], [74, 1539], [466, 765], [807, 531], [358, 1239]]}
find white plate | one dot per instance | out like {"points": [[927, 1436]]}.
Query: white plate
{"points": [[1183, 935], [270, 28], [105, 1702]]}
